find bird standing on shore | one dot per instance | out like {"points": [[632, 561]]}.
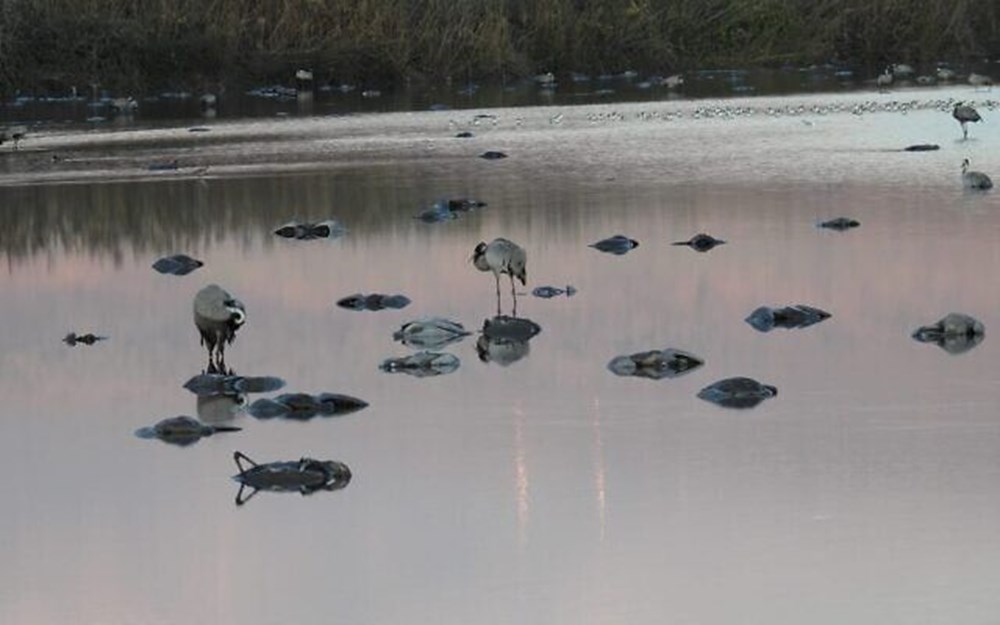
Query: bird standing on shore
{"points": [[13, 133], [884, 79], [964, 114], [975, 179], [502, 256]]}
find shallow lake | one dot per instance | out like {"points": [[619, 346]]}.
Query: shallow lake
{"points": [[537, 487]]}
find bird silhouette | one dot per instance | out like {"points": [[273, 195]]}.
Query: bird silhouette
{"points": [[964, 114], [217, 315], [975, 179], [502, 256]]}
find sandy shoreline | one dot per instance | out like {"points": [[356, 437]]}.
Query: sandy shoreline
{"points": [[809, 139]]}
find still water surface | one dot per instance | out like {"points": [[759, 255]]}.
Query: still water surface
{"points": [[548, 490]]}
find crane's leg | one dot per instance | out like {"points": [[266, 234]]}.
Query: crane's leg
{"points": [[965, 131], [497, 276], [513, 295]]}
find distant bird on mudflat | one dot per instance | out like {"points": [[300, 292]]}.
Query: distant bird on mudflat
{"points": [[975, 179], [502, 256], [964, 114], [13, 133], [884, 79], [979, 80], [217, 315]]}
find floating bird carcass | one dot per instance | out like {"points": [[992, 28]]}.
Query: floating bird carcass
{"points": [[422, 364], [430, 333], [739, 392], [655, 364], [955, 333], [766, 318], [177, 265], [618, 244], [182, 430], [701, 242], [304, 476]]}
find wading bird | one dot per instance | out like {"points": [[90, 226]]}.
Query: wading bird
{"points": [[502, 256], [884, 79], [217, 315], [13, 133], [975, 179], [964, 114]]}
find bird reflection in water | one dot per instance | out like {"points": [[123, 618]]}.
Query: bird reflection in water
{"points": [[182, 430], [221, 397], [504, 339], [305, 476]]}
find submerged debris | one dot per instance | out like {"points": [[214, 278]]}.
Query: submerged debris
{"points": [[840, 224], [617, 245], [306, 231], [303, 406], [182, 430], [375, 301], [207, 384], [547, 292], [164, 166], [430, 333], [701, 242], [737, 392], [956, 333], [422, 364], [447, 209], [177, 265], [304, 476], [73, 338], [766, 318], [655, 364]]}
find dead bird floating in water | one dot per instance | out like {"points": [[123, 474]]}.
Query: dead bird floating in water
{"points": [[655, 364], [73, 338], [177, 265], [547, 292], [737, 392], [303, 406], [430, 333], [955, 333], [304, 476], [617, 245], [839, 224], [375, 301], [765, 318], [307, 231], [422, 364], [701, 242], [182, 430]]}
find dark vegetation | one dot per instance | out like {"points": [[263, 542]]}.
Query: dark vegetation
{"points": [[140, 45]]}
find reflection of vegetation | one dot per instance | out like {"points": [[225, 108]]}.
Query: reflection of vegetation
{"points": [[135, 45], [189, 215]]}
